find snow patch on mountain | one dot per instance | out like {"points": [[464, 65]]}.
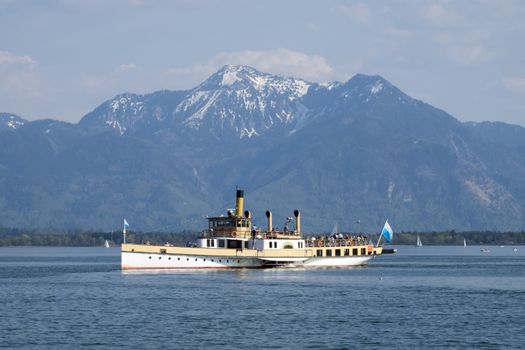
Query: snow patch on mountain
{"points": [[248, 133], [229, 78], [10, 121], [194, 120], [14, 123], [116, 125], [378, 86], [126, 103]]}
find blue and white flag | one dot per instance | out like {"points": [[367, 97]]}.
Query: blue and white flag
{"points": [[126, 225], [387, 232]]}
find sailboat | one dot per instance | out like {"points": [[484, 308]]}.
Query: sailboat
{"points": [[418, 243], [106, 244], [464, 243]]}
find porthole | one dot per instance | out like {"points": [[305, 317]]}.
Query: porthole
{"points": [[160, 257], [178, 258], [238, 261], [227, 261], [169, 258], [204, 259], [195, 259], [150, 257], [220, 260], [211, 260], [187, 259]]}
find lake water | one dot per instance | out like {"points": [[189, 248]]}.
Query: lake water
{"points": [[420, 298]]}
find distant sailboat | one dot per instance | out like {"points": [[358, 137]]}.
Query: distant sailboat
{"points": [[418, 243], [464, 243], [106, 244]]}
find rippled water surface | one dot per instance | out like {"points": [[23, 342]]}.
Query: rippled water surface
{"points": [[429, 297]]}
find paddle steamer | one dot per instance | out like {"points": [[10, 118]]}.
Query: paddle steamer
{"points": [[232, 242]]}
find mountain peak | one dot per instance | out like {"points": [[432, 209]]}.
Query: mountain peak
{"points": [[371, 87], [374, 83], [231, 74], [262, 100], [9, 121]]}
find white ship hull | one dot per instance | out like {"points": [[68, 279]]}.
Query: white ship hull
{"points": [[151, 261], [146, 261], [337, 261]]}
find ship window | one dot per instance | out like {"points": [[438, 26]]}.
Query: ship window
{"points": [[160, 257], [213, 243], [204, 260], [238, 261], [178, 258], [271, 244], [195, 259], [354, 251], [363, 251], [245, 244], [288, 246], [221, 243], [234, 244], [347, 252], [319, 252], [227, 261], [132, 250], [329, 252], [169, 258], [338, 252], [220, 260], [163, 251], [212, 260], [187, 259], [150, 257]]}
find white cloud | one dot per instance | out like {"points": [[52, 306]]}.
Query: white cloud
{"points": [[514, 84], [19, 77], [278, 61], [9, 58], [466, 55], [126, 67]]}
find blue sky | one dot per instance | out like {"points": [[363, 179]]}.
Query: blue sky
{"points": [[62, 58]]}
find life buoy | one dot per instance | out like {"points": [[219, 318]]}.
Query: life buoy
{"points": [[319, 243], [370, 248], [233, 234]]}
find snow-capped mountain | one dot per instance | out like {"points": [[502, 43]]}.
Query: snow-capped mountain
{"points": [[244, 101], [338, 151], [130, 112], [241, 102], [9, 121], [236, 100]]}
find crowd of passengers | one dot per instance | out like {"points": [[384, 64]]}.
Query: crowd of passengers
{"points": [[337, 240]]}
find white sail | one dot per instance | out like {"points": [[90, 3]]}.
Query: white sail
{"points": [[464, 242], [418, 243], [106, 244]]}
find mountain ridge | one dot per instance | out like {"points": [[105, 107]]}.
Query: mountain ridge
{"points": [[343, 151]]}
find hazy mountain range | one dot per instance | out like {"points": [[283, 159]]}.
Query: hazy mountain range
{"points": [[341, 152]]}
